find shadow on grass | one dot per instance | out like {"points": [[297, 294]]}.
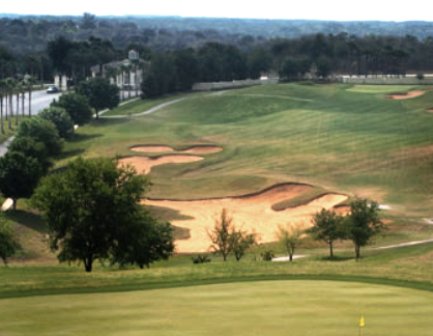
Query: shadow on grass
{"points": [[102, 122], [70, 153], [78, 137], [337, 258], [28, 219]]}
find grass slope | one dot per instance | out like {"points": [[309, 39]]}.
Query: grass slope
{"points": [[325, 135]]}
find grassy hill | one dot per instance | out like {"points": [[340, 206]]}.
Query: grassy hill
{"points": [[344, 139], [348, 139]]}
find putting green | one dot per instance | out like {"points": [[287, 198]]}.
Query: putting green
{"points": [[256, 308]]}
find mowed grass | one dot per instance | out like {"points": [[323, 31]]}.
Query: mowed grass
{"points": [[256, 308], [325, 135]]}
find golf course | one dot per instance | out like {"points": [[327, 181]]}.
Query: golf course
{"points": [[270, 155]]}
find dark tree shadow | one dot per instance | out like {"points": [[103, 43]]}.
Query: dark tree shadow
{"points": [[28, 219]]}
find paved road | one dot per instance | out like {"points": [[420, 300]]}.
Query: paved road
{"points": [[40, 100]]}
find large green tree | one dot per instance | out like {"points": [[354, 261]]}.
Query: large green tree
{"points": [[143, 241], [31, 148], [92, 209], [19, 175], [8, 243], [77, 106], [61, 119], [327, 226], [363, 223], [43, 131], [100, 93]]}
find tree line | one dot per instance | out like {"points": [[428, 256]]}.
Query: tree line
{"points": [[70, 46], [360, 224]]}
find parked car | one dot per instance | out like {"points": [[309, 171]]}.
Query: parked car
{"points": [[52, 89]]}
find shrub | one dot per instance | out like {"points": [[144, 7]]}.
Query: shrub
{"points": [[200, 259], [267, 255]]}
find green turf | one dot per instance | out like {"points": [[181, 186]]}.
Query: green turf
{"points": [[139, 106], [256, 308]]}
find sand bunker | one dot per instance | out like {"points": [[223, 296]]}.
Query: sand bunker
{"points": [[197, 149], [144, 165], [251, 213], [407, 95], [151, 149], [202, 149]]}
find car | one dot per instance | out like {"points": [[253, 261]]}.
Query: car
{"points": [[52, 89]]}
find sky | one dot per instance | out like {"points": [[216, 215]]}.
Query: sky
{"points": [[339, 10]]}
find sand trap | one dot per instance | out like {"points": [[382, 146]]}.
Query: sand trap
{"points": [[151, 149], [202, 149], [144, 165], [407, 95], [251, 213], [197, 149]]}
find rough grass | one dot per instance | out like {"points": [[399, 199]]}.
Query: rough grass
{"points": [[256, 308]]}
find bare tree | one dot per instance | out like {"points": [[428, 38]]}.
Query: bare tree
{"points": [[290, 236]]}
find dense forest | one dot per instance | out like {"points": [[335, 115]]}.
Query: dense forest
{"points": [[183, 51]]}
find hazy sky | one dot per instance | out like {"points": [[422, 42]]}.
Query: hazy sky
{"points": [[342, 10]]}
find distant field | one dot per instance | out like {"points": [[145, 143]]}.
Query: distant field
{"points": [[256, 308]]}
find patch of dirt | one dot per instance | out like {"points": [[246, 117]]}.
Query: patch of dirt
{"points": [[202, 149], [196, 149], [252, 213], [407, 95], [144, 165], [151, 148]]}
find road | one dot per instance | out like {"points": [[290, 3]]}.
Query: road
{"points": [[40, 100]]}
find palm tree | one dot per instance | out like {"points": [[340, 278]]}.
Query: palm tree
{"points": [[10, 86], [2, 94], [18, 89], [29, 81], [123, 69]]}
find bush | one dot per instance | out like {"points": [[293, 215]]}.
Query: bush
{"points": [[267, 255], [61, 119], [420, 76], [200, 259], [43, 131], [77, 106]]}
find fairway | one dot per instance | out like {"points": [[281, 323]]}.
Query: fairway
{"points": [[255, 308], [338, 139]]}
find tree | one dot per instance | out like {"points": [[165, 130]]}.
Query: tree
{"points": [[289, 237], [77, 106], [8, 244], [31, 148], [240, 242], [61, 119], [363, 222], [91, 209], [220, 235], [19, 175], [143, 241], [100, 93], [43, 131], [328, 228]]}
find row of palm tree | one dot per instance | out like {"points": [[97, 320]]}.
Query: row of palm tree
{"points": [[9, 88]]}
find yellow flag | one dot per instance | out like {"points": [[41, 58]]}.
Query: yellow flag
{"points": [[362, 322]]}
